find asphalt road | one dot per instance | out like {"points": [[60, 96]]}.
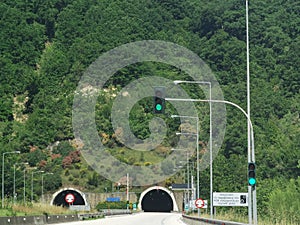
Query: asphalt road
{"points": [[135, 219]]}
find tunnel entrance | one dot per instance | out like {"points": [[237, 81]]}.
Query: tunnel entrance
{"points": [[68, 197], [157, 200]]}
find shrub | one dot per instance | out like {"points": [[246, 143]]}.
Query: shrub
{"points": [[111, 205]]}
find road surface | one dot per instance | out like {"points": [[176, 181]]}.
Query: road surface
{"points": [[135, 219]]}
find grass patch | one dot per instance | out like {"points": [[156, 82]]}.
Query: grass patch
{"points": [[32, 210], [131, 156], [234, 217]]}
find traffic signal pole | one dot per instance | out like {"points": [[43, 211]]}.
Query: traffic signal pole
{"points": [[251, 151]]}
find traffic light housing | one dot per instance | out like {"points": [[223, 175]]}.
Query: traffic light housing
{"points": [[159, 100], [251, 174]]}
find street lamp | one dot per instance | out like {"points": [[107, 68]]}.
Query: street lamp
{"points": [[176, 82], [198, 175], [43, 200], [3, 155], [24, 190], [41, 171], [251, 158], [14, 192], [188, 170], [192, 117]]}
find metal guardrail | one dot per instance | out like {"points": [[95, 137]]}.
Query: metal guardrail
{"points": [[204, 221], [104, 212]]}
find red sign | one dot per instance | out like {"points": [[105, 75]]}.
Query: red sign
{"points": [[199, 203], [70, 198]]}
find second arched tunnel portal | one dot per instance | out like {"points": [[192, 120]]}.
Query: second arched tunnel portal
{"points": [[157, 199]]}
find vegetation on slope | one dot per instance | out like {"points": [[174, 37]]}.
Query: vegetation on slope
{"points": [[47, 45]]}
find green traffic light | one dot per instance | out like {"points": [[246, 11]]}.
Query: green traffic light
{"points": [[158, 107], [252, 181]]}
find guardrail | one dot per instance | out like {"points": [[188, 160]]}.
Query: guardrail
{"points": [[104, 212], [51, 219], [204, 221]]}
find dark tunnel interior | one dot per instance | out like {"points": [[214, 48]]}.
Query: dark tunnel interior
{"points": [[60, 200], [157, 201]]}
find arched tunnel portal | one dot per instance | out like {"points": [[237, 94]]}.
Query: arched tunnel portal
{"points": [[157, 199], [69, 196]]}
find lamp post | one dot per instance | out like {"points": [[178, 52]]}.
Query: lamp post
{"points": [[188, 171], [198, 177], [14, 192], [197, 131], [24, 189], [43, 200], [3, 155], [251, 158], [41, 171], [176, 82]]}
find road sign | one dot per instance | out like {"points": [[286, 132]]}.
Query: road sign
{"points": [[186, 207], [113, 199], [230, 199], [134, 206], [199, 203], [70, 198]]}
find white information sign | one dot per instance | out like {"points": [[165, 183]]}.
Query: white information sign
{"points": [[230, 199], [205, 204]]}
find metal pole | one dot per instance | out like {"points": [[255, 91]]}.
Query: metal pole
{"points": [[32, 187], [3, 180], [14, 192], [24, 190], [210, 153], [188, 177], [251, 192], [254, 191], [15, 152], [15, 197], [127, 190], [32, 183], [198, 173], [252, 137], [210, 142], [42, 188], [43, 197]]}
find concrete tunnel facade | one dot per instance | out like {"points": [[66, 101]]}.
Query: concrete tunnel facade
{"points": [[69, 196], [157, 199]]}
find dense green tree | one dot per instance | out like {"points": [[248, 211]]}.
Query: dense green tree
{"points": [[46, 46]]}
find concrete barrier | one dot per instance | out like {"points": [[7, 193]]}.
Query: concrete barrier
{"points": [[203, 221], [37, 220], [50, 219]]}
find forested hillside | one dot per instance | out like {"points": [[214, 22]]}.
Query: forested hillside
{"points": [[46, 45]]}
